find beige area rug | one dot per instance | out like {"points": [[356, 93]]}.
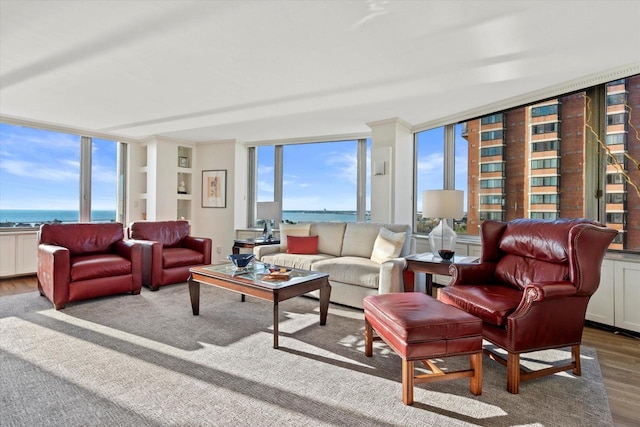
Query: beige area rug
{"points": [[145, 360]]}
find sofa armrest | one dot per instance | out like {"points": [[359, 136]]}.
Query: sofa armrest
{"points": [[132, 250], [54, 272], [262, 250], [199, 244], [471, 274], [391, 273]]}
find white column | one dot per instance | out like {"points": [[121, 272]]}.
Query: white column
{"points": [[391, 171]]}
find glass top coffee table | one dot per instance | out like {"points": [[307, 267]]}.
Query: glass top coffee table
{"points": [[257, 281]]}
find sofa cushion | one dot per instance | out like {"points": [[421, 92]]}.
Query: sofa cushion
{"points": [[179, 257], [359, 238], [97, 266], [169, 233], [302, 262], [330, 236], [491, 303], [519, 271], [302, 245], [292, 230], [352, 270], [387, 245]]}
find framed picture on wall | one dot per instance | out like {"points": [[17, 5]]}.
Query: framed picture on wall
{"points": [[183, 162], [214, 189]]}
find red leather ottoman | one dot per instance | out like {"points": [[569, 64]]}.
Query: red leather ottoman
{"points": [[419, 328]]}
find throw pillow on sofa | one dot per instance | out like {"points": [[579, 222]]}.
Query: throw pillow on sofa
{"points": [[388, 245], [300, 230], [302, 245]]}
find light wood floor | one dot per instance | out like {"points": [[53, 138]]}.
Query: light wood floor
{"points": [[618, 353]]}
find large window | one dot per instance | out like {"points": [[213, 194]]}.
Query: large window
{"points": [[40, 180], [429, 155], [592, 137], [315, 181]]}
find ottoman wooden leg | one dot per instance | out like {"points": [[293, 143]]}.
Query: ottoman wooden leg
{"points": [[407, 382], [368, 339], [476, 380]]}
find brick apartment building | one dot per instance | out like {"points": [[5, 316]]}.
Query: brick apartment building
{"points": [[529, 162]]}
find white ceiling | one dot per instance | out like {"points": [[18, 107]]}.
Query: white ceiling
{"points": [[270, 70]]}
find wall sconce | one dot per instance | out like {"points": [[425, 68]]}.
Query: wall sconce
{"points": [[378, 168]]}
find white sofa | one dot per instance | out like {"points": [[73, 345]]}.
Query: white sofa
{"points": [[344, 251]]}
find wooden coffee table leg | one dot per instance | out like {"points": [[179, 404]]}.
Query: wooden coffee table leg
{"points": [[275, 324], [325, 294], [194, 293]]}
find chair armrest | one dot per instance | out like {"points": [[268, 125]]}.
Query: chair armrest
{"points": [[131, 250], [151, 260], [471, 274], [535, 292], [199, 244], [262, 250], [391, 276], [540, 292], [54, 272]]}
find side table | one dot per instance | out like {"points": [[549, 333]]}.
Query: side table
{"points": [[429, 264], [251, 243]]}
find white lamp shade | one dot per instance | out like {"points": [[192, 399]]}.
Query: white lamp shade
{"points": [[268, 210], [443, 204]]}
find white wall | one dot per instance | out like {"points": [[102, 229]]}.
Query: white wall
{"points": [[217, 223]]}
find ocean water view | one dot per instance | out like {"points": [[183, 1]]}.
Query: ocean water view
{"points": [[26, 218], [33, 218]]}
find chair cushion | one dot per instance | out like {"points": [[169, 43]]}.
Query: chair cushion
{"points": [[352, 270], [179, 257], [387, 245], [491, 303], [82, 238], [302, 245], [98, 266], [519, 271], [540, 239], [169, 233]]}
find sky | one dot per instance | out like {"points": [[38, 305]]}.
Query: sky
{"points": [[41, 170]]}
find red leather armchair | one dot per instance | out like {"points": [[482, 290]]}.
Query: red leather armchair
{"points": [[168, 251], [531, 287], [82, 261]]}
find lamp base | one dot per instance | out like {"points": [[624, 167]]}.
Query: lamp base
{"points": [[442, 237]]}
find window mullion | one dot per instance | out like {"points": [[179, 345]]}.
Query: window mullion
{"points": [[85, 179]]}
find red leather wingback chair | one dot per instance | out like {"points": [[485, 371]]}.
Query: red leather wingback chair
{"points": [[531, 287], [82, 261], [168, 251]]}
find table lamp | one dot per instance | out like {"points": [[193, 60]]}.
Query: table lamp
{"points": [[443, 204], [268, 211]]}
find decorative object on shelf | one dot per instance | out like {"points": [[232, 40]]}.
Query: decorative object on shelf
{"points": [[214, 189], [183, 162], [443, 204], [268, 211], [181, 188], [240, 260]]}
